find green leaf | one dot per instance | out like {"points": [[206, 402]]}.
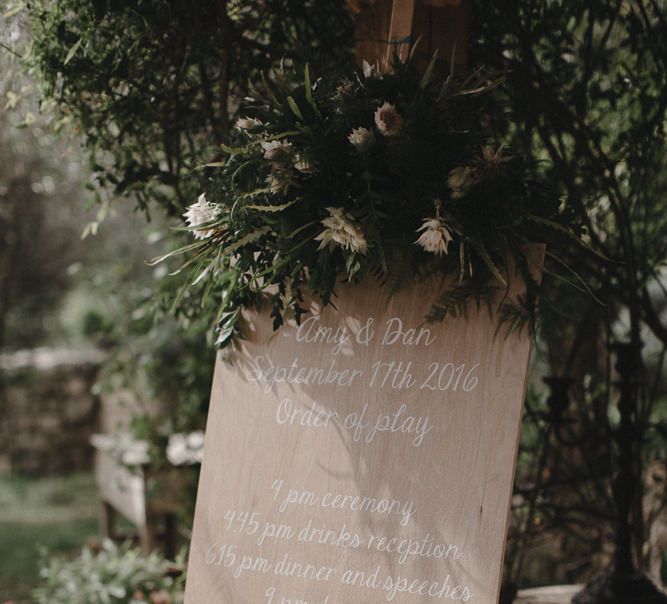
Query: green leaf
{"points": [[226, 327], [230, 150], [309, 90], [271, 208], [28, 121], [295, 108], [349, 263], [303, 227], [254, 236], [455, 300], [484, 255], [12, 99], [413, 49], [72, 51], [198, 260], [254, 193], [204, 274], [562, 229], [428, 74], [281, 135], [267, 88], [307, 84], [179, 251], [13, 10], [582, 287]]}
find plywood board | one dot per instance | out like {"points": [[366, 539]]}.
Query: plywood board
{"points": [[362, 457]]}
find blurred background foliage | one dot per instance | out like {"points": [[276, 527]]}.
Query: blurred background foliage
{"points": [[128, 101], [585, 89], [151, 84]]}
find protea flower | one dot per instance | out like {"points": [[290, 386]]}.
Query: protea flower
{"points": [[361, 138], [203, 212], [388, 120], [342, 230], [436, 236]]}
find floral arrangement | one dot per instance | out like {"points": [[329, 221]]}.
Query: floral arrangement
{"points": [[367, 175]]}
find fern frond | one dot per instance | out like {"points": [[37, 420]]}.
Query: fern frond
{"points": [[515, 317], [455, 302], [399, 273]]}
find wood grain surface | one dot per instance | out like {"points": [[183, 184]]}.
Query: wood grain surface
{"points": [[363, 457]]}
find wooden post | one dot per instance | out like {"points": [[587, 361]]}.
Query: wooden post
{"points": [[107, 520], [441, 25], [400, 29]]}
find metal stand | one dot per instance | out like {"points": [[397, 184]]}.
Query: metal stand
{"points": [[623, 583]]}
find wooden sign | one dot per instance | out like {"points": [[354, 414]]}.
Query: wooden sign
{"points": [[363, 456]]}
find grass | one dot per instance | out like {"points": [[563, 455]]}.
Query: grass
{"points": [[54, 515]]}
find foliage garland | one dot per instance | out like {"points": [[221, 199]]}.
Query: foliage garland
{"points": [[393, 176]]}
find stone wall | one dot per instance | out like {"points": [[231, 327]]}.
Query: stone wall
{"points": [[47, 410]]}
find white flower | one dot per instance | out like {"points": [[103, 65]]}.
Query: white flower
{"points": [[342, 230], [436, 236], [136, 453], [196, 440], [185, 449], [367, 68], [202, 213], [276, 150], [177, 449], [361, 138], [245, 123], [388, 120]]}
